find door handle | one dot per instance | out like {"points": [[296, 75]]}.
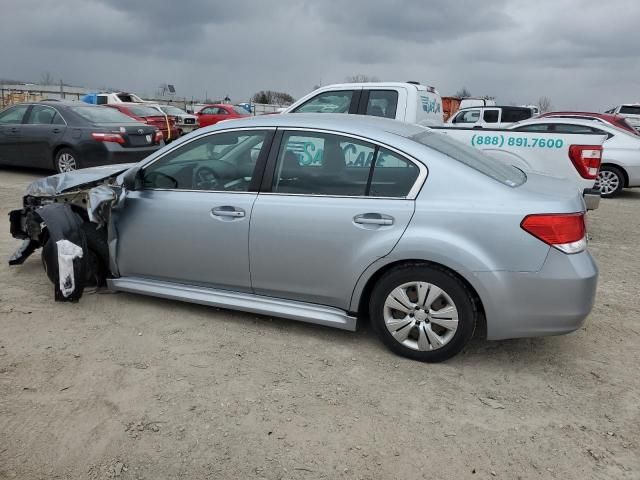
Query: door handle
{"points": [[227, 212], [56, 130], [373, 219]]}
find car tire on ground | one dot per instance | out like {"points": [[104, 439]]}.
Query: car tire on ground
{"points": [[422, 312], [66, 161], [610, 181]]}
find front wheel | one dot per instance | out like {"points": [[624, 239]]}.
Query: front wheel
{"points": [[66, 161], [423, 312], [610, 181]]}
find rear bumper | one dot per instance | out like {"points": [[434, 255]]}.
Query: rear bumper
{"points": [[591, 198], [185, 128], [555, 300], [114, 153]]}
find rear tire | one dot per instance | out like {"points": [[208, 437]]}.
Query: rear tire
{"points": [[610, 181], [66, 160], [423, 312]]}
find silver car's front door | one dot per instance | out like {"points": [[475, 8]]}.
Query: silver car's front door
{"points": [[190, 221], [199, 238], [328, 216]]}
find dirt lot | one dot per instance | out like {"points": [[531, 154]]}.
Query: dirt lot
{"points": [[128, 386]]}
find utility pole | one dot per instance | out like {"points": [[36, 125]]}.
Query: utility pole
{"points": [[61, 90]]}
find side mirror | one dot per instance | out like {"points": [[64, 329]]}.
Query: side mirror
{"points": [[132, 179]]}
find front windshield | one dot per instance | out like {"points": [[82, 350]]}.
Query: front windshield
{"points": [[143, 111], [101, 114], [481, 162]]}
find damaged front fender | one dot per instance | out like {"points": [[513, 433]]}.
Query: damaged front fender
{"points": [[66, 211]]}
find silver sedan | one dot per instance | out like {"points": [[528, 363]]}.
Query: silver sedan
{"points": [[327, 219]]}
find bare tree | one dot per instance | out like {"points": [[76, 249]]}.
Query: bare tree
{"points": [[544, 104], [361, 78], [47, 79], [273, 98], [463, 93]]}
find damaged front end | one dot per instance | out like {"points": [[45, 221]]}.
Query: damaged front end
{"points": [[69, 217]]}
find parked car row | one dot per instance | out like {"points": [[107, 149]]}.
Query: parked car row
{"points": [[66, 136]]}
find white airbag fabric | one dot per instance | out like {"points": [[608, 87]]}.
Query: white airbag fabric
{"points": [[67, 252]]}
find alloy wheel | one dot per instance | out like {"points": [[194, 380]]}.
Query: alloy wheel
{"points": [[420, 316], [608, 182], [66, 163]]}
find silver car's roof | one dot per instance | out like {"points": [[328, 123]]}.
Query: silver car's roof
{"points": [[356, 124]]}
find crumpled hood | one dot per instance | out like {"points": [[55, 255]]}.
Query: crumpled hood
{"points": [[56, 184]]}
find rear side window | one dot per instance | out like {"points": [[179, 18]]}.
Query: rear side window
{"points": [[382, 103], [335, 165], [102, 100], [328, 102], [393, 176], [41, 115], [630, 109], [569, 128], [473, 158], [13, 114], [490, 116], [512, 115], [538, 127]]}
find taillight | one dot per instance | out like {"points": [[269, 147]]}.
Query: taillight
{"points": [[564, 231], [108, 137], [158, 137], [586, 159]]}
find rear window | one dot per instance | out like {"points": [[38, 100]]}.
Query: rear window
{"points": [[101, 114], [141, 111], [630, 109], [382, 103], [471, 157], [512, 115], [171, 110]]}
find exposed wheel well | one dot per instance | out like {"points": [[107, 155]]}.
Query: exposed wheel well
{"points": [[624, 172], [363, 306]]}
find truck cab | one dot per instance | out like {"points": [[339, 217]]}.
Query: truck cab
{"points": [[404, 101], [489, 117]]}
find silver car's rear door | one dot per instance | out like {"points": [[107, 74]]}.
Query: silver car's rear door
{"points": [[328, 215]]}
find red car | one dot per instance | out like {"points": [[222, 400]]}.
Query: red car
{"points": [[212, 114], [145, 114], [615, 120]]}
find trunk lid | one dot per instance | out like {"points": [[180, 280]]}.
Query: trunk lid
{"points": [[134, 135]]}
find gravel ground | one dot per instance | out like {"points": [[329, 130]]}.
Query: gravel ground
{"points": [[127, 386]]}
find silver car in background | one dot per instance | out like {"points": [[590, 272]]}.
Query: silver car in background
{"points": [[328, 219]]}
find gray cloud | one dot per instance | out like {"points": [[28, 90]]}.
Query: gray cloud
{"points": [[581, 53]]}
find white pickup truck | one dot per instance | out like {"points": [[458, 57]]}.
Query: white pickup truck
{"points": [[575, 157]]}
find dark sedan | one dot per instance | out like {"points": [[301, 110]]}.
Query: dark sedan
{"points": [[66, 136]]}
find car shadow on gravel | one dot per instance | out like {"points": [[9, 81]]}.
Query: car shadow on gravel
{"points": [[514, 352]]}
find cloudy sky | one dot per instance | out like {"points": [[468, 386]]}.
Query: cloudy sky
{"points": [[582, 54]]}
